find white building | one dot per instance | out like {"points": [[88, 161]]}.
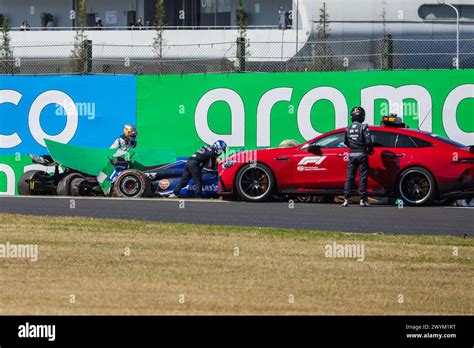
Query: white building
{"points": [[205, 29]]}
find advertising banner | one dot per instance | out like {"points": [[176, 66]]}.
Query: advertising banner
{"points": [[11, 168], [88, 111], [79, 110], [261, 110]]}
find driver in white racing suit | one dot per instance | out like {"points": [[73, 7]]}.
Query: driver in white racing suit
{"points": [[128, 140]]}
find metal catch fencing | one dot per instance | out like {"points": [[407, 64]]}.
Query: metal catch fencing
{"points": [[244, 56]]}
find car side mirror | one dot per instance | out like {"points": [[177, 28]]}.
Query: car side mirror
{"points": [[311, 147]]}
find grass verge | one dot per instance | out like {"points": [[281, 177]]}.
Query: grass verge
{"points": [[199, 269]]}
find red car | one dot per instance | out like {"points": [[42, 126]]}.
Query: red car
{"points": [[416, 166]]}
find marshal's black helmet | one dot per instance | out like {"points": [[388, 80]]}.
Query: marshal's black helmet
{"points": [[358, 114]]}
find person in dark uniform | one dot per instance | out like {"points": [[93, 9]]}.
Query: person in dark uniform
{"points": [[205, 157], [358, 140]]}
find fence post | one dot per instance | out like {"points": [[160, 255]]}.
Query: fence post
{"points": [[387, 52], [88, 56], [241, 47]]}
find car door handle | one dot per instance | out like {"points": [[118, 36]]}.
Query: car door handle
{"points": [[341, 155], [281, 158]]}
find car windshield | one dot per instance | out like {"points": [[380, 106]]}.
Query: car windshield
{"points": [[447, 141]]}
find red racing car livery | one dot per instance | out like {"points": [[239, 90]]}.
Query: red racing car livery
{"points": [[416, 166]]}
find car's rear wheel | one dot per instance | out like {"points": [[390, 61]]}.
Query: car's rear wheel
{"points": [[65, 185], [416, 186], [132, 184], [24, 186], [76, 186], [255, 183]]}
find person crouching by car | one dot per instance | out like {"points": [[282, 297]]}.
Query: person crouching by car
{"points": [[358, 140], [204, 157], [127, 141]]}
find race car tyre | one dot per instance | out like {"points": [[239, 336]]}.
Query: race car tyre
{"points": [[255, 183], [416, 186], [64, 186], [132, 184], [24, 188], [305, 199], [75, 186]]}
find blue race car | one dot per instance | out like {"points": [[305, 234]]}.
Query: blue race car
{"points": [[160, 181]]}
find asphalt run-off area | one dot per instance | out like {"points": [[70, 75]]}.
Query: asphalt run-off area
{"points": [[455, 221]]}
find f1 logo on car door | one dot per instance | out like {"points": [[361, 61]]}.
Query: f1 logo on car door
{"points": [[316, 172], [310, 163], [322, 166]]}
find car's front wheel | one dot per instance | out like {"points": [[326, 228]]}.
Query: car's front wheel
{"points": [[255, 183], [416, 186]]}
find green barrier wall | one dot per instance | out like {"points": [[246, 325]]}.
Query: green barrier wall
{"points": [[259, 110], [11, 168]]}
